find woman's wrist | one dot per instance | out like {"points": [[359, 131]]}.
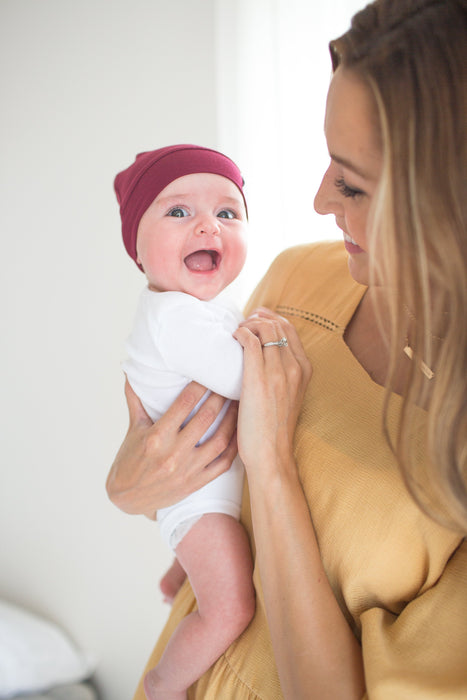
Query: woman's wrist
{"points": [[275, 473]]}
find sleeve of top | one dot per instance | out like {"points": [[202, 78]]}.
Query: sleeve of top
{"points": [[421, 654], [195, 343]]}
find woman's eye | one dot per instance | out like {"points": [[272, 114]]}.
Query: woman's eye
{"points": [[345, 190], [227, 214], [178, 212]]}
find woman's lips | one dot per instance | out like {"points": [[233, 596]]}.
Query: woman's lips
{"points": [[202, 260], [350, 245]]}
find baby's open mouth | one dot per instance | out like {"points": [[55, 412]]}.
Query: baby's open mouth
{"points": [[202, 260]]}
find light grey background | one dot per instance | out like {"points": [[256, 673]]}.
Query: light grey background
{"points": [[84, 86]]}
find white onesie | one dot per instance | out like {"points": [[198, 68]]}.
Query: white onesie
{"points": [[177, 338]]}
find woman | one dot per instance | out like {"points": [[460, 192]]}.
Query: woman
{"points": [[356, 502]]}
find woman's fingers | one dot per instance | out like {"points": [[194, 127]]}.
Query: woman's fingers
{"points": [[223, 442], [181, 443], [223, 461], [215, 455], [183, 405], [158, 464], [275, 379], [269, 326], [206, 414]]}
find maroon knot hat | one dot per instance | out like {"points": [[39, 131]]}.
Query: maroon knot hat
{"points": [[138, 186]]}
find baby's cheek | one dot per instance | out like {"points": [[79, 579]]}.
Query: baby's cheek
{"points": [[237, 255]]}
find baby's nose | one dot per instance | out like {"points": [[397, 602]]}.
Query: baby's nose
{"points": [[207, 225]]}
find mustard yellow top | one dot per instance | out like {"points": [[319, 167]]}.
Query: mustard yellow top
{"points": [[400, 578]]}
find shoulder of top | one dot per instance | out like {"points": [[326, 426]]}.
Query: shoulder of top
{"points": [[313, 280], [329, 251], [323, 260]]}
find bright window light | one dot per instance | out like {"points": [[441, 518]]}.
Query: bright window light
{"points": [[273, 75]]}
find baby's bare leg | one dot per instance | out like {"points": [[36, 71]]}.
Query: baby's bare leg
{"points": [[172, 581], [216, 556]]}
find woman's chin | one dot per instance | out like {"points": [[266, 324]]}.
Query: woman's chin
{"points": [[358, 268]]}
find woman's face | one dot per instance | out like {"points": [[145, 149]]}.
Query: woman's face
{"points": [[349, 184]]}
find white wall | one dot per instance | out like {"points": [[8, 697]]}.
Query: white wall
{"points": [[84, 86]]}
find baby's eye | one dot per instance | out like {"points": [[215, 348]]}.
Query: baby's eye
{"points": [[347, 191], [178, 212], [227, 214]]}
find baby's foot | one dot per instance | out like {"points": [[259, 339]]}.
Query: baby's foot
{"points": [[172, 581], [153, 690]]}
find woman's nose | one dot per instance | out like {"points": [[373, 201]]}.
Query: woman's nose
{"points": [[325, 201]]}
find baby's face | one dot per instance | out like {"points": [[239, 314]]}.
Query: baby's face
{"points": [[192, 238]]}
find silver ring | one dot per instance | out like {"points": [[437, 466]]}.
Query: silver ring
{"points": [[282, 343]]}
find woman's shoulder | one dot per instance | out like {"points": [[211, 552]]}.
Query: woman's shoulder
{"points": [[310, 277], [333, 251]]}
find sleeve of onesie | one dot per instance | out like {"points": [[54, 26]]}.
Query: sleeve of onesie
{"points": [[195, 343], [421, 654]]}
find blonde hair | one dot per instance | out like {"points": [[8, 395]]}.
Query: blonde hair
{"points": [[413, 56]]}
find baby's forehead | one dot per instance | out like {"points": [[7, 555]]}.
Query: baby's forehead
{"points": [[206, 185]]}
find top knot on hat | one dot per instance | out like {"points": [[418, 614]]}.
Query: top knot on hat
{"points": [[138, 186]]}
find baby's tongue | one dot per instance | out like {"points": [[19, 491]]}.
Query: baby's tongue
{"points": [[201, 260]]}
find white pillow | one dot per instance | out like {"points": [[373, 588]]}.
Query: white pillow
{"points": [[36, 654]]}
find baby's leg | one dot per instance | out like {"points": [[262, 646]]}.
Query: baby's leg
{"points": [[172, 581], [216, 556]]}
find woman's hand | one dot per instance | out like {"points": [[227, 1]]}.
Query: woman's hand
{"points": [[274, 382], [158, 464]]}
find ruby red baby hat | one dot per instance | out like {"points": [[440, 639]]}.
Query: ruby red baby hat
{"points": [[138, 186]]}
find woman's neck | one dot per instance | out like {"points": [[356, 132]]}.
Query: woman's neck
{"points": [[366, 339]]}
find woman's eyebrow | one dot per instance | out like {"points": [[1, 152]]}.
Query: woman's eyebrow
{"points": [[351, 166]]}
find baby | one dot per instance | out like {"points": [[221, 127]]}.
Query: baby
{"points": [[184, 219]]}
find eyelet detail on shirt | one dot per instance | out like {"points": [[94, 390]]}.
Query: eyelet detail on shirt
{"points": [[309, 316]]}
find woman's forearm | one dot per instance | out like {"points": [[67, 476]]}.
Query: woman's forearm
{"points": [[316, 653]]}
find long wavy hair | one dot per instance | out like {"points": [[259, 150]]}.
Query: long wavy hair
{"points": [[413, 56]]}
